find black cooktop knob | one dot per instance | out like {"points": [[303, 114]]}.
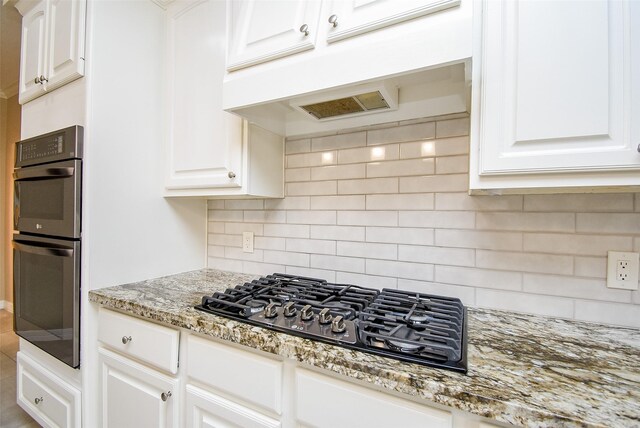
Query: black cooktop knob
{"points": [[338, 325], [271, 310], [325, 316], [306, 313], [289, 309]]}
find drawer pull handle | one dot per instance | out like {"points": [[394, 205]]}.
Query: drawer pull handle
{"points": [[165, 395], [333, 20], [126, 339], [38, 400]]}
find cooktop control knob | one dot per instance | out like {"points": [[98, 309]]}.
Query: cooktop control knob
{"points": [[306, 314], [338, 325], [289, 309], [271, 310], [325, 316]]}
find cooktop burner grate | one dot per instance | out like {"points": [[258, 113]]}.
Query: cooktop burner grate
{"points": [[408, 326]]}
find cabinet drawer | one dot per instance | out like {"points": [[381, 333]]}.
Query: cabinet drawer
{"points": [[209, 410], [242, 374], [143, 340], [47, 398], [321, 403]]}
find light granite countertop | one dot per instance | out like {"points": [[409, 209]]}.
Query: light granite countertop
{"points": [[525, 370]]}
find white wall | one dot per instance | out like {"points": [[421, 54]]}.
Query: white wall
{"points": [[404, 220]]}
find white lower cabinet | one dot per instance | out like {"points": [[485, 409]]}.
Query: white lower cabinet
{"points": [[323, 401], [136, 396], [207, 410], [51, 401]]}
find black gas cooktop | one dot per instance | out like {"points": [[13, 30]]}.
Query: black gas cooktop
{"points": [[408, 326]]}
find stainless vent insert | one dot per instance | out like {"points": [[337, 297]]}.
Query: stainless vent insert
{"points": [[339, 107]]}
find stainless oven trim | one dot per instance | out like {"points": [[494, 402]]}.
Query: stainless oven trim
{"points": [[55, 248]]}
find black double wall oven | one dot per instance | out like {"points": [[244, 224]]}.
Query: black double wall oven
{"points": [[47, 245]]}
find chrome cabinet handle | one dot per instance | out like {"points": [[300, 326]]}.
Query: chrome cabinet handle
{"points": [[126, 339], [38, 400], [638, 148], [36, 80], [165, 395], [43, 79], [333, 19], [304, 29], [232, 175]]}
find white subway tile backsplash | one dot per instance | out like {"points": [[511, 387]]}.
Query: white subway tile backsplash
{"points": [[608, 223], [387, 206], [311, 217], [419, 271], [529, 222], [368, 250], [581, 245], [312, 188], [567, 286], [338, 263], [349, 202], [368, 154], [437, 219], [338, 172], [371, 281], [286, 258], [465, 202], [525, 262], [368, 186], [368, 218], [434, 183], [474, 277], [312, 246], [609, 313], [466, 294], [400, 235], [340, 141], [414, 201], [398, 134], [479, 239], [523, 302], [401, 168], [436, 255], [287, 230], [244, 204], [297, 146], [345, 233], [590, 202]]}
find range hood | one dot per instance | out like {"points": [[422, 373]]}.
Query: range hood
{"points": [[438, 91]]}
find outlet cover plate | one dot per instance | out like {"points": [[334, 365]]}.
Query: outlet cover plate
{"points": [[247, 242], [630, 271]]}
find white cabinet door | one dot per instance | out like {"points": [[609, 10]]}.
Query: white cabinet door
{"points": [[136, 396], [262, 30], [32, 51], [65, 54], [557, 90], [351, 18], [324, 401], [206, 410], [52, 51]]}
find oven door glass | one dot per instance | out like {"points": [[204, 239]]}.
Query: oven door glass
{"points": [[47, 199], [47, 295]]}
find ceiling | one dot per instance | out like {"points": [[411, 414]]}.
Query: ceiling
{"points": [[10, 21]]}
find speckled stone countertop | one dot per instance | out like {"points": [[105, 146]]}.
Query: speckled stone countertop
{"points": [[525, 370]]}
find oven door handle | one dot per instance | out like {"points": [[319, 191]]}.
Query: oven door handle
{"points": [[43, 173], [42, 249]]}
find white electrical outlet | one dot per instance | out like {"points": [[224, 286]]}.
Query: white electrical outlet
{"points": [[247, 242], [623, 270]]}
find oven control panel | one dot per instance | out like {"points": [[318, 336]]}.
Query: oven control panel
{"points": [[55, 146]]}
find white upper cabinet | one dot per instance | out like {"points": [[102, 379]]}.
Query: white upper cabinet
{"points": [[556, 95], [350, 18], [210, 152], [52, 49], [265, 30]]}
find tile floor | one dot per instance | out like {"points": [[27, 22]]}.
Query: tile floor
{"points": [[11, 415]]}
